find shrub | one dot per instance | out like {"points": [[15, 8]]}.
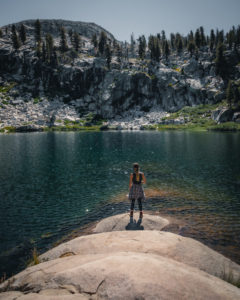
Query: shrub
{"points": [[35, 257]]}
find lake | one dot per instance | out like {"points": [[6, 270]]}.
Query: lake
{"points": [[54, 182]]}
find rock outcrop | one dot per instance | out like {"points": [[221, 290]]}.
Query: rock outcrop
{"points": [[126, 89], [126, 264]]}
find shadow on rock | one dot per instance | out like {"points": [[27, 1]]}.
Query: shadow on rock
{"points": [[133, 225]]}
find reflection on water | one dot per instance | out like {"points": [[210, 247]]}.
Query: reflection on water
{"points": [[51, 183]]}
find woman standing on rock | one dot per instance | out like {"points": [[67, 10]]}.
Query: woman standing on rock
{"points": [[136, 189]]}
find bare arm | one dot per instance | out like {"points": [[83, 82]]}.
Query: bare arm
{"points": [[144, 178], [130, 181]]}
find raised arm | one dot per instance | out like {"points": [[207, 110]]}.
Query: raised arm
{"points": [[130, 181]]}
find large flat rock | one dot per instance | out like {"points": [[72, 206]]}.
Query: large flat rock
{"points": [[121, 275], [167, 244], [126, 264], [124, 222]]}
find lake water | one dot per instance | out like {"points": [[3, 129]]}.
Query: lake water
{"points": [[52, 183]]}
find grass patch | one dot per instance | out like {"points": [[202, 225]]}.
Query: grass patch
{"points": [[8, 128], [228, 126], [36, 260], [6, 88], [230, 278], [36, 100], [73, 128]]}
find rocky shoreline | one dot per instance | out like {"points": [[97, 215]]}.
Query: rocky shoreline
{"points": [[127, 258], [43, 115]]}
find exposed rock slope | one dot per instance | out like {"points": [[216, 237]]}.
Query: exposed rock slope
{"points": [[127, 89]]}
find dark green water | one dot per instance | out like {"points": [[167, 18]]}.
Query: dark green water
{"points": [[52, 183]]}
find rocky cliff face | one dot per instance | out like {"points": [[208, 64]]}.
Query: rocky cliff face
{"points": [[129, 87]]}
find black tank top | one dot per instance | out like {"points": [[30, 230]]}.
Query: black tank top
{"points": [[134, 178]]}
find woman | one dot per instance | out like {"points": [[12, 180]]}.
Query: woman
{"points": [[136, 189]]}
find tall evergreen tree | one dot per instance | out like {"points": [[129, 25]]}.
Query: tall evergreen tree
{"points": [[172, 39], [154, 47], [94, 40], [38, 36], [202, 37], [22, 33], [197, 38], [166, 49], [1, 33], [220, 61], [190, 36], [163, 36], [151, 45], [38, 49], [179, 43], [15, 38], [236, 96], [108, 55], [212, 40], [191, 47], [142, 47], [229, 94], [132, 45], [70, 34], [76, 41], [63, 40], [49, 47], [102, 42], [44, 53]]}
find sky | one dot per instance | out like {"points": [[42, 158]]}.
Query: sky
{"points": [[124, 17]]}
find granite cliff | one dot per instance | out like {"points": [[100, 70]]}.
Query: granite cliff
{"points": [[73, 84]]}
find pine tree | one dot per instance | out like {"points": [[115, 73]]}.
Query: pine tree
{"points": [[172, 38], [38, 49], [38, 36], [22, 33], [102, 42], [166, 50], [212, 40], [70, 34], [54, 59], [44, 53], [220, 61], [76, 41], [190, 36], [179, 43], [15, 38], [163, 36], [119, 52], [94, 40], [142, 47], [221, 37], [191, 47], [229, 94], [236, 96], [1, 33], [63, 40], [197, 38], [49, 46], [154, 47], [133, 43], [108, 55], [202, 37], [151, 45], [157, 49]]}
